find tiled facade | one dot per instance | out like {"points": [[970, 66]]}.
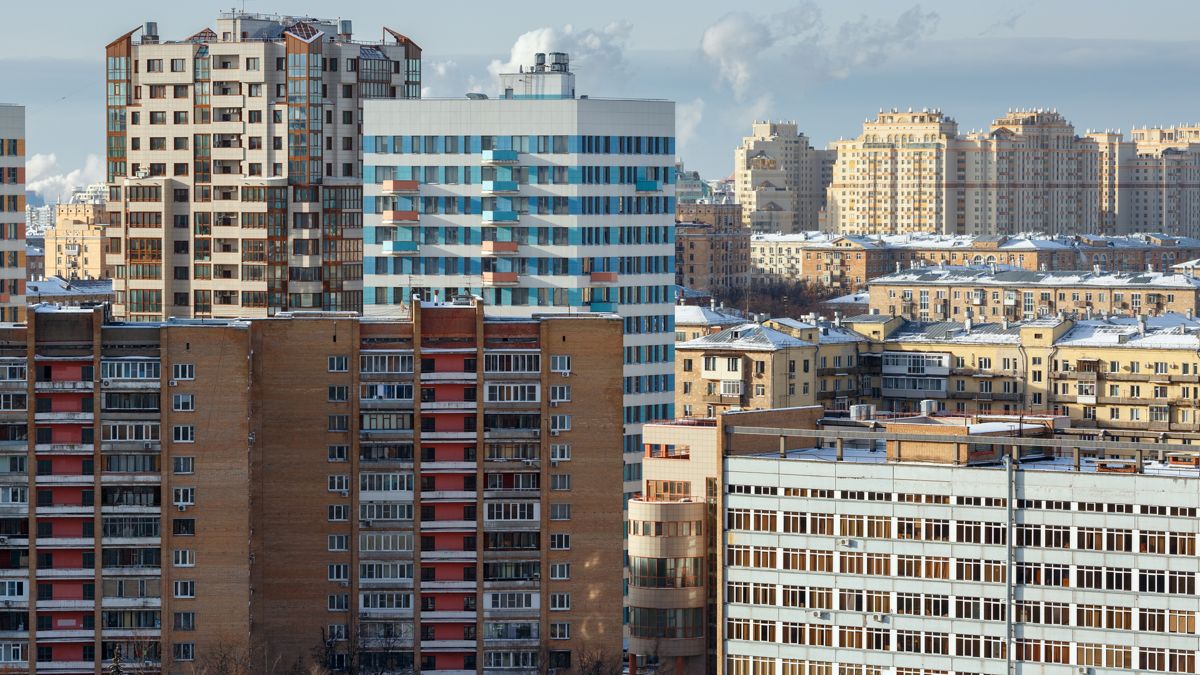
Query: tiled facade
{"points": [[779, 179], [538, 201], [234, 164], [427, 493], [12, 212]]}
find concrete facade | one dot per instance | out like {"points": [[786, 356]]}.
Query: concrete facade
{"points": [[12, 213]]}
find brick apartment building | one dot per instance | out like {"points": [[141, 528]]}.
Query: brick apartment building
{"points": [[392, 493]]}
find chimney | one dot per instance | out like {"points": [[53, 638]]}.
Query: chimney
{"points": [[1004, 323], [712, 304], [897, 265], [1188, 313], [1141, 324], [1096, 269]]}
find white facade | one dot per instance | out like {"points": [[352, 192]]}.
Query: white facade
{"points": [[537, 205], [12, 212], [865, 567]]}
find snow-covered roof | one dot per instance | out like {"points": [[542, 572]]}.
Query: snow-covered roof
{"points": [[699, 315], [976, 276], [1169, 331], [860, 298], [953, 331], [1031, 241], [746, 337]]}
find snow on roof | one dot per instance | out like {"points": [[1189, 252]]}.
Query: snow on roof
{"points": [[860, 298], [975, 276], [953, 331], [746, 337], [699, 315], [1028, 241], [1170, 331]]}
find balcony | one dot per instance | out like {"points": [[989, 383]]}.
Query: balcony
{"points": [[64, 385], [499, 187], [499, 278], [400, 217], [648, 186], [603, 277], [604, 307], [64, 416], [401, 187], [64, 448], [500, 217], [492, 248], [499, 157], [400, 247]]}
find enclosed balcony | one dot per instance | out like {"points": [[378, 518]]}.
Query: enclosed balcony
{"points": [[400, 247], [493, 187], [401, 187], [500, 157], [400, 217], [648, 186], [499, 278], [492, 248], [603, 277], [500, 217]]}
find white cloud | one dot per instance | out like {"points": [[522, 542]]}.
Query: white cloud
{"points": [[599, 52], [44, 176], [687, 121], [758, 54]]}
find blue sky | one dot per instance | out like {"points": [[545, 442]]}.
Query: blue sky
{"points": [[825, 65]]}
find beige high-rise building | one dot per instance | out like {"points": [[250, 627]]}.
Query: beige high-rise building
{"points": [[778, 179], [234, 165], [1150, 182], [1028, 172], [895, 176]]}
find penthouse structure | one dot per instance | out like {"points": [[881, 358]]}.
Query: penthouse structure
{"points": [[234, 164], [957, 293], [538, 201], [434, 463], [12, 213]]}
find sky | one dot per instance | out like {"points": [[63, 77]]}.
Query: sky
{"points": [[825, 65]]}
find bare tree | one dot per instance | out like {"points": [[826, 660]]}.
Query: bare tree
{"points": [[225, 658], [595, 661]]}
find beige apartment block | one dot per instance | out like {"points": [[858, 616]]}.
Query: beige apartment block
{"points": [[75, 248], [778, 179], [234, 166], [956, 293]]}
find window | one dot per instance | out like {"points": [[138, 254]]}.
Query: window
{"points": [[339, 602], [560, 631], [339, 453], [184, 496], [185, 621], [560, 423], [339, 542], [185, 589], [560, 364], [183, 465], [339, 364], [183, 371], [560, 602], [560, 542], [183, 557], [183, 433], [339, 483], [560, 452], [339, 393], [560, 481], [339, 513], [560, 512], [183, 651], [560, 571], [183, 402], [339, 423], [560, 393], [339, 572]]}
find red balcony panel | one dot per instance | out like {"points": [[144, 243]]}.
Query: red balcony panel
{"points": [[400, 186]]}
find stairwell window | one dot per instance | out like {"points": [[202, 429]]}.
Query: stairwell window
{"points": [[183, 433], [183, 371], [560, 363]]}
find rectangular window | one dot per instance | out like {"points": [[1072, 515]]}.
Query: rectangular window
{"points": [[183, 402], [183, 433], [185, 589], [183, 371]]}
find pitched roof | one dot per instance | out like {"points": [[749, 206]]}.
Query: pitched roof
{"points": [[699, 315], [746, 337]]}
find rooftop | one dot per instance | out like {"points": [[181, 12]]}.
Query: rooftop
{"points": [[65, 288], [746, 337], [977, 276], [1031, 241], [699, 315]]}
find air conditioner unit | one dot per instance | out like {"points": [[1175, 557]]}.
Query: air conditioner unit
{"points": [[344, 493], [879, 618], [3, 540], [554, 463], [344, 584], [554, 432], [844, 542], [553, 404], [147, 445], [817, 614], [181, 507], [566, 373], [106, 383], [365, 523], [173, 383]]}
